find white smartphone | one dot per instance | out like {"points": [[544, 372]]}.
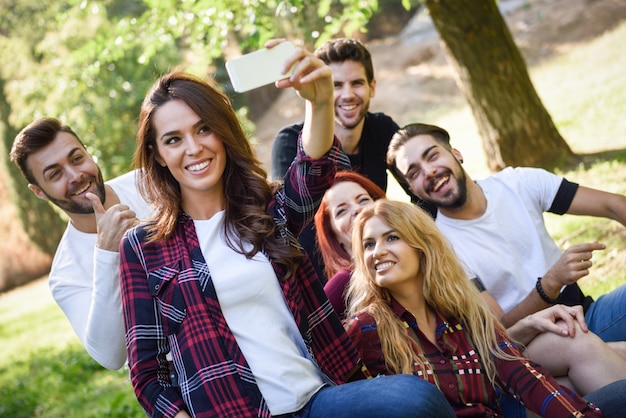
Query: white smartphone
{"points": [[258, 68]]}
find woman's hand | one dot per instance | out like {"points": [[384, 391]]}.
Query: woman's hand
{"points": [[310, 77], [558, 319], [313, 80]]}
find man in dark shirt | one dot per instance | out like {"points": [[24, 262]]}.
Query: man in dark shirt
{"points": [[364, 136]]}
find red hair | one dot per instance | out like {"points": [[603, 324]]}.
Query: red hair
{"points": [[334, 255]]}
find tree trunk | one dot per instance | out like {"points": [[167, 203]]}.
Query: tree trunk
{"points": [[515, 127]]}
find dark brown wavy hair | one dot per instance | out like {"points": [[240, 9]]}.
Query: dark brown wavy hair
{"points": [[247, 192]]}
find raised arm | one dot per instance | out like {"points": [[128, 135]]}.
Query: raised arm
{"points": [[313, 80]]}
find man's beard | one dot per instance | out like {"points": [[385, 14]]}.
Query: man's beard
{"points": [[455, 199], [71, 206]]}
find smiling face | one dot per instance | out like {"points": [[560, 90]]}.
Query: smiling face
{"points": [[194, 155], [65, 172], [344, 201], [433, 172], [352, 93], [392, 263]]}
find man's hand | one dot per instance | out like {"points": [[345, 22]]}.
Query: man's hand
{"points": [[573, 265], [111, 223]]}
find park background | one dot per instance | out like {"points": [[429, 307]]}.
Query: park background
{"points": [[574, 52]]}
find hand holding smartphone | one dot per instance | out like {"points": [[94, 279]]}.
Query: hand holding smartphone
{"points": [[259, 68]]}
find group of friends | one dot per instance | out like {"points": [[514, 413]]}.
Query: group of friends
{"points": [[310, 294]]}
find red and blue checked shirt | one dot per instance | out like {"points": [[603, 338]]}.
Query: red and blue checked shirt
{"points": [[170, 305], [455, 367]]}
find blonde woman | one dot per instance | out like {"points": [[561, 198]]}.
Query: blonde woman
{"points": [[413, 311]]}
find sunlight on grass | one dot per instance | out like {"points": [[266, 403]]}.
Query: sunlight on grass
{"points": [[44, 370]]}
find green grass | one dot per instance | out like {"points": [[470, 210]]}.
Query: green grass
{"points": [[44, 371]]}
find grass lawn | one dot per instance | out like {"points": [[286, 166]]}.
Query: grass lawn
{"points": [[44, 371]]}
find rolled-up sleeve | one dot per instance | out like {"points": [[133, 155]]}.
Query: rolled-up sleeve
{"points": [[306, 182]]}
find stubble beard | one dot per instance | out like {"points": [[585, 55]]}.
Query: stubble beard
{"points": [[71, 206], [351, 124]]}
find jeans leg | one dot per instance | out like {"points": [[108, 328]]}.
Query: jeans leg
{"points": [[399, 395], [606, 317], [611, 399], [511, 407]]}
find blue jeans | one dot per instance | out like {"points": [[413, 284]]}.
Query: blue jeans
{"points": [[606, 317], [611, 399], [400, 395]]}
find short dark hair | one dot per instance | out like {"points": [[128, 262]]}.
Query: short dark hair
{"points": [[35, 136], [404, 134], [412, 130], [346, 49]]}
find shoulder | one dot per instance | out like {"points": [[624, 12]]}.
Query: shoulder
{"points": [[289, 132], [522, 174], [125, 186], [127, 178], [522, 178], [360, 323], [380, 118], [380, 128]]}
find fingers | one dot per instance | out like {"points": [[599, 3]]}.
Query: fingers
{"points": [[577, 313], [273, 42], [561, 320], [113, 224], [573, 264], [583, 252], [98, 209], [305, 65]]}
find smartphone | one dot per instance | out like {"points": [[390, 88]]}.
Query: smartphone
{"points": [[258, 68]]}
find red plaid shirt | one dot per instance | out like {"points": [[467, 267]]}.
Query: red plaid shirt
{"points": [[170, 305], [454, 366]]}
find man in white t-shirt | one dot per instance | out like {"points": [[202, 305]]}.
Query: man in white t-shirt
{"points": [[84, 274], [496, 227]]}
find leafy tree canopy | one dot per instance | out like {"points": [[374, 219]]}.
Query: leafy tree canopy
{"points": [[90, 63]]}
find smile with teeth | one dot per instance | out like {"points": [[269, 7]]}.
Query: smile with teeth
{"points": [[442, 180], [383, 266], [348, 107], [82, 190], [199, 166]]}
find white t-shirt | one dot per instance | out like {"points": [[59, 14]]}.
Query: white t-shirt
{"points": [[508, 247], [84, 281], [256, 312]]}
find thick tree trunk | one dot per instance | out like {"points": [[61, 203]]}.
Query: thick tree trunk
{"points": [[515, 127]]}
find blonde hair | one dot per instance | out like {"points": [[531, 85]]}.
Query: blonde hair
{"points": [[447, 289]]}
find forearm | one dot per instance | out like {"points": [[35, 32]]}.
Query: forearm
{"points": [[318, 129], [522, 331], [104, 334], [531, 304]]}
